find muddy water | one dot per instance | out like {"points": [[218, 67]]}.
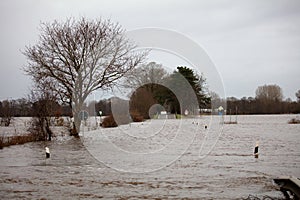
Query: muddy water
{"points": [[228, 171]]}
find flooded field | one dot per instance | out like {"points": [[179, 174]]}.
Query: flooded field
{"points": [[157, 159]]}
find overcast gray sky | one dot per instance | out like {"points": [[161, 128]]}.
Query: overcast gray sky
{"points": [[252, 43]]}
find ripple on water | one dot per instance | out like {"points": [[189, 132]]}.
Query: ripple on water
{"points": [[229, 172]]}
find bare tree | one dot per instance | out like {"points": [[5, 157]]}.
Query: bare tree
{"points": [[44, 106], [217, 101], [6, 112], [269, 92], [79, 57], [298, 96], [148, 73], [269, 98], [145, 82], [142, 99]]}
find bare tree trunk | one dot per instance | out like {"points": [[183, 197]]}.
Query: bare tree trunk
{"points": [[77, 107], [76, 126], [48, 130]]}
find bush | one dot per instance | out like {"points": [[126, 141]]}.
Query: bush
{"points": [[59, 121], [39, 128], [178, 116], [136, 117], [5, 121], [294, 121], [109, 121]]}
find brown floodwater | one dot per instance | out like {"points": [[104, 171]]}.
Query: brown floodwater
{"points": [[213, 163]]}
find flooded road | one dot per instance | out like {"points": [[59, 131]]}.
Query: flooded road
{"points": [[88, 169]]}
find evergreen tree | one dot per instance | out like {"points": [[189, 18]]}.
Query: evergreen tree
{"points": [[197, 84]]}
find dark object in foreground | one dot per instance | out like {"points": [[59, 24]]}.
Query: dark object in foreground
{"points": [[289, 186], [230, 122], [256, 150], [294, 121]]}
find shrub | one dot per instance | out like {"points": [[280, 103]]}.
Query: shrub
{"points": [[39, 128], [294, 121], [59, 121], [136, 117], [178, 116], [109, 121]]}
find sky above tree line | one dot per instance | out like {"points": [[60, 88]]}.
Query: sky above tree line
{"points": [[251, 43]]}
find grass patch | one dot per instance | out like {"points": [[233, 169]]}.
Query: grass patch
{"points": [[178, 116]]}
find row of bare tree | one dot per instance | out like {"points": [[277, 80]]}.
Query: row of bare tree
{"points": [[44, 107], [268, 100]]}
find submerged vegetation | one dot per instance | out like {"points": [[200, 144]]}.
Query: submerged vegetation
{"points": [[294, 121], [13, 140]]}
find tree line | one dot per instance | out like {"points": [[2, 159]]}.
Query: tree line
{"points": [[268, 100], [23, 107]]}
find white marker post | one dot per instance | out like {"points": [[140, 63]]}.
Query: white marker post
{"points": [[47, 152], [256, 150], [100, 113]]}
